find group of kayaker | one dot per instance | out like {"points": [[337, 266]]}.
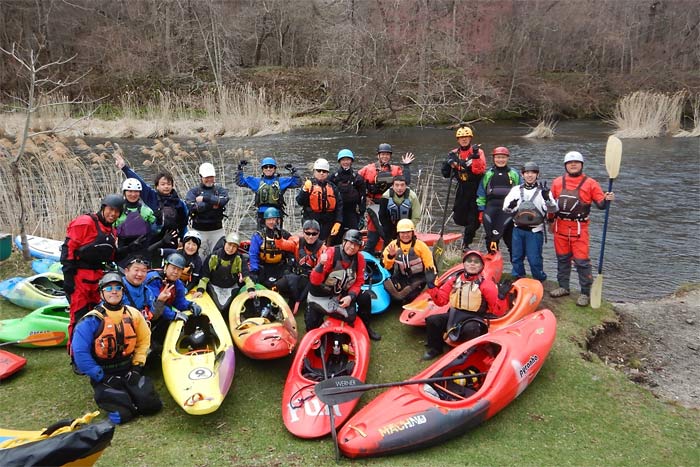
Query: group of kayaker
{"points": [[151, 226]]}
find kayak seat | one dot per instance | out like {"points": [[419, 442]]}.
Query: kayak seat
{"points": [[310, 372]]}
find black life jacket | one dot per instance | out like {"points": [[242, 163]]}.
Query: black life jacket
{"points": [[569, 202], [528, 214], [340, 278], [94, 254]]}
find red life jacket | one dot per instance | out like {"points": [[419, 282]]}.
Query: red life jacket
{"points": [[379, 179]]}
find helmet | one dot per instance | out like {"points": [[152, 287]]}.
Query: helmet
{"points": [[463, 131], [110, 278], [194, 236], [501, 150], [113, 201], [345, 153], [268, 161], [207, 170], [197, 340], [177, 260], [234, 238], [405, 225], [271, 213], [384, 147], [473, 252], [573, 156], [531, 167], [322, 164], [131, 184], [354, 236], [311, 224]]}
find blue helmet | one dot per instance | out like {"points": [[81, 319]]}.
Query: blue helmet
{"points": [[271, 213], [268, 161], [345, 153]]}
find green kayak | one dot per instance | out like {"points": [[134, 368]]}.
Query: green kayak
{"points": [[47, 318]]}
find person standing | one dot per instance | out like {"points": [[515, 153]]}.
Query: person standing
{"points": [[574, 193], [207, 203], [379, 177], [530, 204], [270, 188], [321, 201], [493, 188], [136, 224], [397, 203], [467, 164], [353, 191], [91, 243]]}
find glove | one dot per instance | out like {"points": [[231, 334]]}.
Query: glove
{"points": [[452, 158], [114, 417], [512, 204], [138, 243], [475, 153], [134, 375], [481, 217], [180, 316], [307, 186], [196, 309], [335, 229], [242, 164], [545, 190], [291, 168], [114, 382], [430, 274]]}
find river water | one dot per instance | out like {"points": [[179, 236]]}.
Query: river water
{"points": [[653, 240]]}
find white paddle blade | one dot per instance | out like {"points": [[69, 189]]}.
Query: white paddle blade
{"points": [[597, 292], [613, 156]]}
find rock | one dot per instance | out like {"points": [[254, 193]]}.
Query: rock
{"points": [[690, 321]]}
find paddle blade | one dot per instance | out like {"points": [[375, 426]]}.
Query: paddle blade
{"points": [[41, 339], [438, 252], [597, 292], [613, 156], [338, 390]]}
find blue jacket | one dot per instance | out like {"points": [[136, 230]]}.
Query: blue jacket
{"points": [[81, 346], [138, 297], [253, 183], [154, 281]]}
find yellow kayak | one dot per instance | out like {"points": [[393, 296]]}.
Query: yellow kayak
{"points": [[198, 360]]}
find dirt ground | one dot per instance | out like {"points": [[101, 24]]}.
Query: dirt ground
{"points": [[657, 344]]}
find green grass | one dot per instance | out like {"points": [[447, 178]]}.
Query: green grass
{"points": [[577, 411]]}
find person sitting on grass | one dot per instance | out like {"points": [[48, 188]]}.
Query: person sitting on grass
{"points": [[110, 345]]}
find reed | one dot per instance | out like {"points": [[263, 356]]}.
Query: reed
{"points": [[644, 114], [695, 131], [544, 129]]}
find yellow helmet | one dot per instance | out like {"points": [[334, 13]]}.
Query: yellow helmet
{"points": [[405, 225], [464, 131]]}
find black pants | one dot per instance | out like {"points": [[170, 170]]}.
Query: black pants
{"points": [[314, 314], [436, 326]]}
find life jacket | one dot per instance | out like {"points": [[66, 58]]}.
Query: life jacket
{"points": [[131, 223], [498, 183], [528, 214], [463, 154], [269, 253], [346, 181], [409, 263], [380, 179], [268, 194], [209, 218], [399, 211], [340, 278], [466, 296], [92, 255], [167, 214], [224, 272], [114, 343], [322, 198], [569, 203], [307, 257]]}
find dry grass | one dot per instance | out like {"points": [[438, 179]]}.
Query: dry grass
{"points": [[544, 129], [645, 114], [695, 132]]}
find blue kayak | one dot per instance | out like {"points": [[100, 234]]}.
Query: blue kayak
{"points": [[35, 291], [42, 265], [40, 247], [375, 275]]}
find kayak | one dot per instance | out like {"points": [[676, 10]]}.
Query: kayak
{"points": [[40, 265], [345, 351], [67, 442], [263, 328], [35, 291], [199, 360], [40, 247], [10, 364], [415, 313], [415, 416], [429, 238], [47, 318], [375, 275]]}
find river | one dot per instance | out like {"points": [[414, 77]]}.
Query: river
{"points": [[653, 239]]}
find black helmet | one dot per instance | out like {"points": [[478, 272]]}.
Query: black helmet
{"points": [[113, 201], [531, 167], [110, 278], [197, 340], [177, 260], [311, 224], [354, 236], [384, 147]]}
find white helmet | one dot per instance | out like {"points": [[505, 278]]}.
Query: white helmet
{"points": [[207, 170], [131, 184], [573, 156], [322, 164]]}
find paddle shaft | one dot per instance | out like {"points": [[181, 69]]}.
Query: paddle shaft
{"points": [[47, 339], [368, 387], [331, 407], [605, 229]]}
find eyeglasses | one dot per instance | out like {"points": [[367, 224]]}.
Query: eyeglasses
{"points": [[112, 288], [268, 167], [311, 234], [322, 171], [472, 259]]}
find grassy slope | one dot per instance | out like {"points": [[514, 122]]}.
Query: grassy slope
{"points": [[577, 412]]}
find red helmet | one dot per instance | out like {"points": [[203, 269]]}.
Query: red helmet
{"points": [[501, 150], [475, 253]]}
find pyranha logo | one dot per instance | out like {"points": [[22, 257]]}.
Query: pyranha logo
{"points": [[525, 368]]}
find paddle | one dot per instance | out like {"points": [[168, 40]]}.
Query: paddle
{"points": [[334, 433], [439, 247], [41, 339], [613, 156], [346, 388]]}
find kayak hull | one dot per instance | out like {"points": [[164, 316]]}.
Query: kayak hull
{"points": [[35, 291], [263, 338], [41, 247], [303, 413], [41, 265], [198, 378], [375, 275], [10, 364], [410, 417], [49, 318], [415, 313]]}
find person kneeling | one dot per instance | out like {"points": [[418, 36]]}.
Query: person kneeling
{"points": [[471, 296], [110, 345]]}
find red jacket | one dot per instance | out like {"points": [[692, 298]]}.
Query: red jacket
{"points": [[318, 277], [488, 288]]}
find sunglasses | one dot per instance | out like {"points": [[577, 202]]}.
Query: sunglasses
{"points": [[137, 261], [472, 260], [311, 234], [113, 288], [322, 171], [268, 167]]}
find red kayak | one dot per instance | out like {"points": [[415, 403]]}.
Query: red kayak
{"points": [[503, 364], [429, 238], [10, 364], [345, 349], [414, 313]]}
